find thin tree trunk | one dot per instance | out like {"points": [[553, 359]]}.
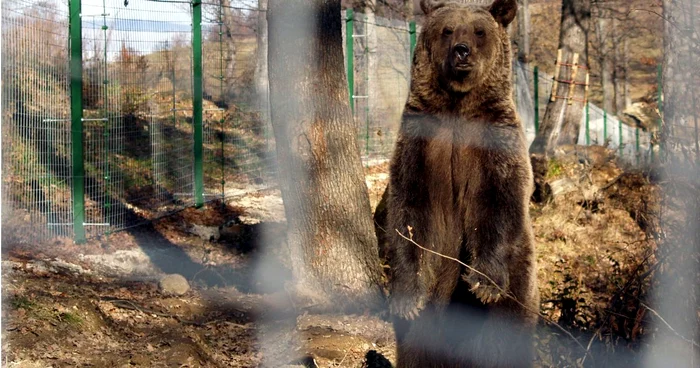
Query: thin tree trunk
{"points": [[607, 66], [229, 30], [562, 121], [374, 95], [625, 71], [523, 31], [678, 80], [261, 75], [333, 249]]}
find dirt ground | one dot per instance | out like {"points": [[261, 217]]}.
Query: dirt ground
{"points": [[100, 304]]}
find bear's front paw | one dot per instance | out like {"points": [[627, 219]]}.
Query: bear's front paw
{"points": [[406, 306], [489, 286]]}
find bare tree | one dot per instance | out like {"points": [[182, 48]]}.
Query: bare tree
{"points": [[562, 120], [261, 74], [331, 237], [523, 34], [681, 48]]}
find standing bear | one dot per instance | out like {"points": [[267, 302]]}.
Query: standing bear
{"points": [[460, 183]]}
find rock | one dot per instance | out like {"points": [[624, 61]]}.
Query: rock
{"points": [[173, 285], [206, 232], [562, 186]]}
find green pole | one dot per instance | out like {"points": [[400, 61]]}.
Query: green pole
{"points": [[221, 96], [659, 101], [605, 126], [350, 56], [76, 111], [636, 143], [197, 102], [412, 37], [588, 132], [619, 129], [537, 99]]}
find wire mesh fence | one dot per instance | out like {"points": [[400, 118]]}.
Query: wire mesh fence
{"points": [[36, 137], [632, 144], [166, 111], [168, 107], [381, 51]]}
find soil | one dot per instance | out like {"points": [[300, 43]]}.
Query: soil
{"points": [[99, 305]]}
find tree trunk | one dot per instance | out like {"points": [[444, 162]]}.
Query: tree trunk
{"points": [[229, 31], [523, 31], [679, 78], [261, 75], [621, 83], [562, 121], [373, 94], [333, 249], [607, 66]]}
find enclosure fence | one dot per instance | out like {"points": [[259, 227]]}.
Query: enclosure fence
{"points": [[379, 54], [116, 113]]}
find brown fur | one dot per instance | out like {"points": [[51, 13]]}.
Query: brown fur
{"points": [[461, 179]]}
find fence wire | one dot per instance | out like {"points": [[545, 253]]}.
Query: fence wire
{"points": [[139, 112], [138, 117], [36, 141]]}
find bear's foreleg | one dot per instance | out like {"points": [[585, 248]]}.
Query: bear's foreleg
{"points": [[407, 207], [496, 230]]}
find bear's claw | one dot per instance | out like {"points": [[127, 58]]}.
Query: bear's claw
{"points": [[483, 288], [407, 306]]}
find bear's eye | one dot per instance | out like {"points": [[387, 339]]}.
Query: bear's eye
{"points": [[447, 31], [480, 33]]}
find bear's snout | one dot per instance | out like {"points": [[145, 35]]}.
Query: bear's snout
{"points": [[461, 52]]}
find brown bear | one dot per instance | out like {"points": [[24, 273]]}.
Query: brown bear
{"points": [[460, 183]]}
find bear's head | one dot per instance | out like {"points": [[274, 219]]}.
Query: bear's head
{"points": [[465, 46]]}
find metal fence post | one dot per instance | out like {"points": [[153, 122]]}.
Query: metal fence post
{"points": [[349, 41], [605, 126], [537, 99], [412, 37], [619, 129], [76, 107], [636, 144], [588, 131], [197, 102]]}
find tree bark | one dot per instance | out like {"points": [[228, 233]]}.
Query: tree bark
{"points": [[679, 90], [261, 74], [607, 66], [562, 121], [523, 31], [333, 249], [229, 31]]}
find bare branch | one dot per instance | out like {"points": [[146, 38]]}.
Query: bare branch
{"points": [[689, 341]]}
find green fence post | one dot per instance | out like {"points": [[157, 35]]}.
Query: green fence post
{"points": [[636, 144], [537, 99], [197, 102], [349, 41], [605, 126], [76, 112], [588, 131], [412, 37], [619, 129]]}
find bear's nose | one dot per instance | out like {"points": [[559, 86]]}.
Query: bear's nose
{"points": [[461, 51]]}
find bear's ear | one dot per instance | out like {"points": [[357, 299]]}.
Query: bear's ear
{"points": [[428, 6], [504, 11]]}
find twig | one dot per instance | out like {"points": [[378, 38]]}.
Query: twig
{"points": [[342, 360], [691, 342], [505, 293]]}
